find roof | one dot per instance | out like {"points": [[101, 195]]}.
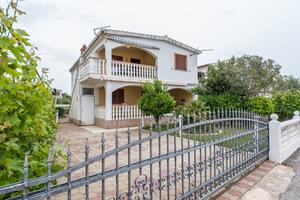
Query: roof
{"points": [[110, 33], [214, 63]]}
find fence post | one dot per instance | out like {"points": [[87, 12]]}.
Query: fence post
{"points": [[255, 138], [296, 115], [274, 139], [56, 116], [180, 124]]}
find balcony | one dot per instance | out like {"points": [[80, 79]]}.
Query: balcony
{"points": [[133, 70], [93, 68]]}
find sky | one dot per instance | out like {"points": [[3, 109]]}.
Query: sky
{"points": [[269, 28]]}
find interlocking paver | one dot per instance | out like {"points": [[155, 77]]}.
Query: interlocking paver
{"points": [[246, 183]]}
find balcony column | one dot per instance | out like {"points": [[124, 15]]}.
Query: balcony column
{"points": [[108, 102], [108, 59]]}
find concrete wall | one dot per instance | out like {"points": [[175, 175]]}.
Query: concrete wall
{"points": [[181, 96], [133, 52], [102, 54], [101, 96], [132, 95], [165, 60]]}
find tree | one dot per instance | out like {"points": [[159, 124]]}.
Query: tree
{"points": [[155, 100], [289, 83], [27, 113], [286, 103], [243, 76], [224, 77], [261, 76], [65, 99]]}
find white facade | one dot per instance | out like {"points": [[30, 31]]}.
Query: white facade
{"points": [[144, 58]]}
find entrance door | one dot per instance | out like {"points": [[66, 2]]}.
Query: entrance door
{"points": [[87, 108]]}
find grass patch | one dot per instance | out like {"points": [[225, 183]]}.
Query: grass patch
{"points": [[211, 133]]}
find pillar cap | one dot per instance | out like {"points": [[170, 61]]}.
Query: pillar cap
{"points": [[296, 113], [274, 117]]}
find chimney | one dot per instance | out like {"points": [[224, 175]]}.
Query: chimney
{"points": [[83, 48]]}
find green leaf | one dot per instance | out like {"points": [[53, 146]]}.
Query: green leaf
{"points": [[4, 42], [22, 32]]}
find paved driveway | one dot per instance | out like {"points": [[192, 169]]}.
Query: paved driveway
{"points": [[69, 133], [293, 191]]}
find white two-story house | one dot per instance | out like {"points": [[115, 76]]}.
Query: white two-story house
{"points": [[107, 77]]}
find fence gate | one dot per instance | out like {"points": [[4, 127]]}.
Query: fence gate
{"points": [[191, 161]]}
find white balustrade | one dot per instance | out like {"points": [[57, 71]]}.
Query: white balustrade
{"points": [[284, 137], [92, 66], [126, 112], [100, 112], [133, 70]]}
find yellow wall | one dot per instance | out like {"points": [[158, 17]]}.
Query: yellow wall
{"points": [[179, 95], [132, 95], [102, 54], [101, 96], [133, 52]]}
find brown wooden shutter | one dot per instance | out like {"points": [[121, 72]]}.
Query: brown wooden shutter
{"points": [[180, 62]]}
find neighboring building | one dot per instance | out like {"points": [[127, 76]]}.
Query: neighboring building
{"points": [[107, 77], [202, 69], [57, 94]]}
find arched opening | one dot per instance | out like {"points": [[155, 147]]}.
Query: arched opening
{"points": [[128, 95], [133, 55], [181, 96]]}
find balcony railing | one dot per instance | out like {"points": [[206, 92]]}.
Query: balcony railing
{"points": [[118, 68], [92, 66], [133, 70], [126, 112]]}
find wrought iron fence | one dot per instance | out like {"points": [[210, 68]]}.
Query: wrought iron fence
{"points": [[191, 161]]}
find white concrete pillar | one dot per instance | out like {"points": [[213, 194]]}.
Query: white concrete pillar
{"points": [[274, 139], [195, 97], [108, 101], [108, 55], [296, 115], [56, 116], [96, 94]]}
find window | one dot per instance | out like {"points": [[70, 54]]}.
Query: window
{"points": [[118, 96], [134, 60], [180, 62], [87, 91], [117, 58], [201, 75]]}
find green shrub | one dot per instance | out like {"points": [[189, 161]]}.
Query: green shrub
{"points": [[193, 107], [261, 105], [222, 101], [156, 100], [286, 103], [27, 112], [61, 111]]}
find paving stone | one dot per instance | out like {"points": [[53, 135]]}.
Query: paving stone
{"points": [[235, 192], [250, 179], [223, 197], [244, 185]]}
